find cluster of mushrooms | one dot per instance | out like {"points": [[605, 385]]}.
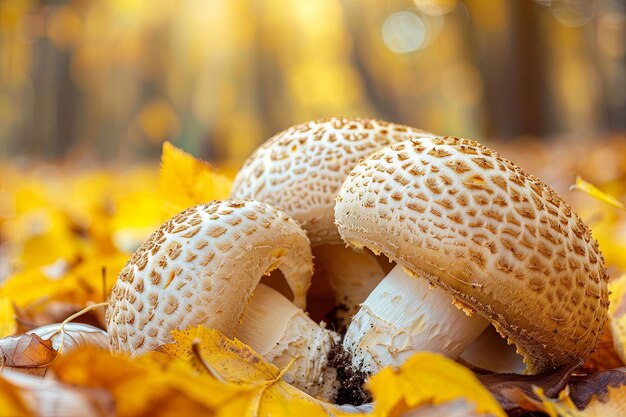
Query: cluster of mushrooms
{"points": [[418, 242]]}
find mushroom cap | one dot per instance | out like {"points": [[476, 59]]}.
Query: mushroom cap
{"points": [[496, 238], [301, 169], [201, 267]]}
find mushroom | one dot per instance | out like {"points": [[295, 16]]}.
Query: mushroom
{"points": [[476, 240], [281, 332], [201, 267], [300, 171]]}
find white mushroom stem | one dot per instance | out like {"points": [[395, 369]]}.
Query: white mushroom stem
{"points": [[352, 276], [404, 314], [279, 331]]}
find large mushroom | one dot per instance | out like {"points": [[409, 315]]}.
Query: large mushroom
{"points": [[476, 241], [300, 171], [202, 267]]}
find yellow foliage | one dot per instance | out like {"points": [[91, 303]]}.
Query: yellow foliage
{"points": [[186, 181], [145, 386], [428, 378], [79, 285], [7, 317], [11, 402], [239, 366]]}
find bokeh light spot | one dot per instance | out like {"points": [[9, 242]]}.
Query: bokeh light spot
{"points": [[404, 32]]}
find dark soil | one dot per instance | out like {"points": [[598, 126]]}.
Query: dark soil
{"points": [[352, 381]]}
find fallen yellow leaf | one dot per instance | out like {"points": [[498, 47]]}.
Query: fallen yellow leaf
{"points": [[186, 181], [239, 366], [596, 193], [428, 378], [80, 285], [148, 385]]}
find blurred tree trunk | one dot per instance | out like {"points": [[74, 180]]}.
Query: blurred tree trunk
{"points": [[513, 69]]}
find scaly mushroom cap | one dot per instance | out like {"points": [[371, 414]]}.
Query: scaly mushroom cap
{"points": [[301, 169], [200, 268], [496, 238]]}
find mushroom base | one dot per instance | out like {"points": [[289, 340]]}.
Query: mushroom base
{"points": [[280, 332], [403, 315]]}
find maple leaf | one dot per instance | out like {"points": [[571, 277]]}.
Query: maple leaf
{"points": [[429, 378], [185, 181]]}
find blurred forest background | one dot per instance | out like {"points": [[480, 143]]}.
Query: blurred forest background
{"points": [[90, 89], [114, 78]]}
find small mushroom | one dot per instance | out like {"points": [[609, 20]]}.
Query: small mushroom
{"points": [[476, 240], [200, 268], [300, 170]]}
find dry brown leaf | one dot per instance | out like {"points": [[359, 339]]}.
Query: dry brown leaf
{"points": [[519, 394], [584, 388], [26, 351], [33, 351], [76, 335], [613, 403], [500, 385]]}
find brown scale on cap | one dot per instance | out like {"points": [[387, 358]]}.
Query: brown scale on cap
{"points": [[301, 169], [494, 237], [201, 267]]}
